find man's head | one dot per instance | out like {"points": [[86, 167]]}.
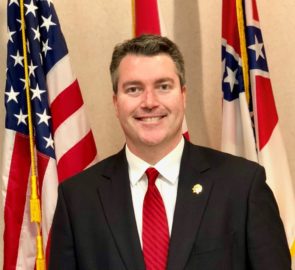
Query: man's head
{"points": [[147, 45], [149, 95]]}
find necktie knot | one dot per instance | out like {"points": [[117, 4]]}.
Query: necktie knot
{"points": [[152, 175]]}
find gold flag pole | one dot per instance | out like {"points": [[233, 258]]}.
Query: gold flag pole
{"points": [[243, 46], [35, 208], [133, 17]]}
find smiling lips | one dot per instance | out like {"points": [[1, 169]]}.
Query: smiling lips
{"points": [[150, 119]]}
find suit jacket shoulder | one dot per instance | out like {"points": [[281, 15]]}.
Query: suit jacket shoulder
{"points": [[92, 174]]}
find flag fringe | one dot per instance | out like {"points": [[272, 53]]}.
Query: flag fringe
{"points": [[34, 201]]}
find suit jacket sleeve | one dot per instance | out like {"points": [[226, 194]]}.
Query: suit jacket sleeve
{"points": [[267, 244], [62, 252]]}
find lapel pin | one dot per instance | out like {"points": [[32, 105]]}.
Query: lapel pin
{"points": [[197, 188]]}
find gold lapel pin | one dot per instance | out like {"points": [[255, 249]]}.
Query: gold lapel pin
{"points": [[197, 188]]}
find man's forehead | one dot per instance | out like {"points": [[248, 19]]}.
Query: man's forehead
{"points": [[145, 56], [141, 59]]}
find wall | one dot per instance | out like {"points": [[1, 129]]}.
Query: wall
{"points": [[93, 27]]}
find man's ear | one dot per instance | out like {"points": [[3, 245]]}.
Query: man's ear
{"points": [[183, 91], [115, 103]]}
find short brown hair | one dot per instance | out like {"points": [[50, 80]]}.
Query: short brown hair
{"points": [[147, 45]]}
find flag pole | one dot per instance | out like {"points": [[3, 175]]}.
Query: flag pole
{"points": [[35, 209], [133, 17], [243, 46]]}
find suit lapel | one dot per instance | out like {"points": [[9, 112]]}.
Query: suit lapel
{"points": [[115, 196], [189, 206]]}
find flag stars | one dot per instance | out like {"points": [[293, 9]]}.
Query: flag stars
{"points": [[49, 141], [44, 117], [28, 46], [17, 59], [45, 48], [10, 34], [12, 95], [41, 58], [31, 8], [48, 2], [21, 117], [24, 81], [257, 48], [37, 92], [47, 22], [13, 2], [20, 22], [36, 33], [231, 78], [32, 69]]}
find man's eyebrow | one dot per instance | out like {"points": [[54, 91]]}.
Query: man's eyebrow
{"points": [[128, 83], [162, 80]]}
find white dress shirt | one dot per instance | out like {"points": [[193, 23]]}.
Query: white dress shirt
{"points": [[167, 182]]}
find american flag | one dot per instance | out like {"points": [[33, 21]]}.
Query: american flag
{"points": [[250, 119], [64, 143], [148, 20]]}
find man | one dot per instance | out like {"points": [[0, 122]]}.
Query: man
{"points": [[207, 210]]}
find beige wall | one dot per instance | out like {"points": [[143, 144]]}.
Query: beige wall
{"points": [[92, 27]]}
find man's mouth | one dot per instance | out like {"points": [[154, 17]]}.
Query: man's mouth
{"points": [[150, 119]]}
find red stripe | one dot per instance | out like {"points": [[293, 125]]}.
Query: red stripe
{"points": [[146, 17], [266, 110], [230, 24], [255, 11], [77, 158], [65, 104], [16, 199]]}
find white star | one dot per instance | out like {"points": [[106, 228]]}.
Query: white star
{"points": [[28, 46], [32, 69], [12, 95], [13, 1], [47, 22], [48, 2], [45, 48], [37, 33], [43, 118], [37, 92], [21, 117], [49, 141], [10, 34], [231, 78], [257, 47], [31, 8], [20, 22], [17, 59], [24, 81], [41, 58]]}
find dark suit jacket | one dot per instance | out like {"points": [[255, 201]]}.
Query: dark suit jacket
{"points": [[233, 223]]}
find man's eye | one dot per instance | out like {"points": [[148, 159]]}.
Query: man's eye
{"points": [[132, 90], [164, 86]]}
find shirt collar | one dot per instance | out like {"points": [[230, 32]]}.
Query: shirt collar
{"points": [[168, 166]]}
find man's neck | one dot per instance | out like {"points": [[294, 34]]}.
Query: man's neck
{"points": [[152, 154]]}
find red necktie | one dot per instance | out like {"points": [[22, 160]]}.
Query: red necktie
{"points": [[155, 233]]}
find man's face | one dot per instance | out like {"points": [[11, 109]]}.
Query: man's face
{"points": [[150, 101]]}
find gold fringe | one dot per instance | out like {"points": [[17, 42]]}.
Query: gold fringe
{"points": [[292, 250], [34, 201], [40, 262]]}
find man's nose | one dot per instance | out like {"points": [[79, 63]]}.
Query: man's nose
{"points": [[150, 99]]}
